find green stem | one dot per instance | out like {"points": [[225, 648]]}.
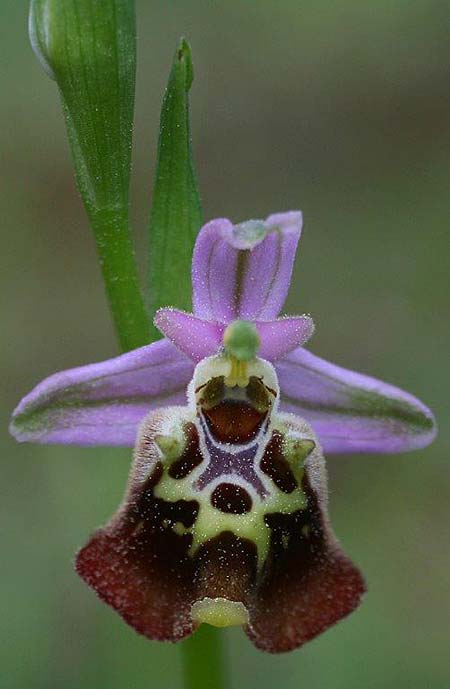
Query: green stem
{"points": [[203, 658], [116, 255]]}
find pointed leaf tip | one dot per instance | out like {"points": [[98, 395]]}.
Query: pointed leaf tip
{"points": [[185, 58]]}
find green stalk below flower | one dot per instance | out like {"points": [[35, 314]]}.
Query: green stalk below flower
{"points": [[203, 659]]}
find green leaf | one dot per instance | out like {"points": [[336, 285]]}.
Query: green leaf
{"points": [[176, 214], [89, 48]]}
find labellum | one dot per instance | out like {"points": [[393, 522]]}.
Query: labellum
{"points": [[224, 521]]}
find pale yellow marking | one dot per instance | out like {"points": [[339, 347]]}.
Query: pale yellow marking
{"points": [[179, 528], [219, 612], [210, 522], [170, 446], [238, 375]]}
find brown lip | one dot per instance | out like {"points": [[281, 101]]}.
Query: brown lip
{"points": [[234, 422]]}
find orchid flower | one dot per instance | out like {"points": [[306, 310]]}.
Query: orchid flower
{"points": [[225, 516]]}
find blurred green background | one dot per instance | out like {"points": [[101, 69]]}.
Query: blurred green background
{"points": [[342, 110]]}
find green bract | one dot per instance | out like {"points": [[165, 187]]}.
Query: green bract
{"points": [[176, 215]]}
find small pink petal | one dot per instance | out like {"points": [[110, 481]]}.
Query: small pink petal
{"points": [[195, 337], [281, 336]]}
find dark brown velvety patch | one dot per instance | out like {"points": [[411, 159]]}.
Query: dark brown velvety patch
{"points": [[145, 576], [226, 567], [140, 567], [157, 512], [191, 456], [231, 499], [308, 583], [234, 422], [276, 466]]}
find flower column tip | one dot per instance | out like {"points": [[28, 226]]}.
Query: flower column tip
{"points": [[241, 342]]}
